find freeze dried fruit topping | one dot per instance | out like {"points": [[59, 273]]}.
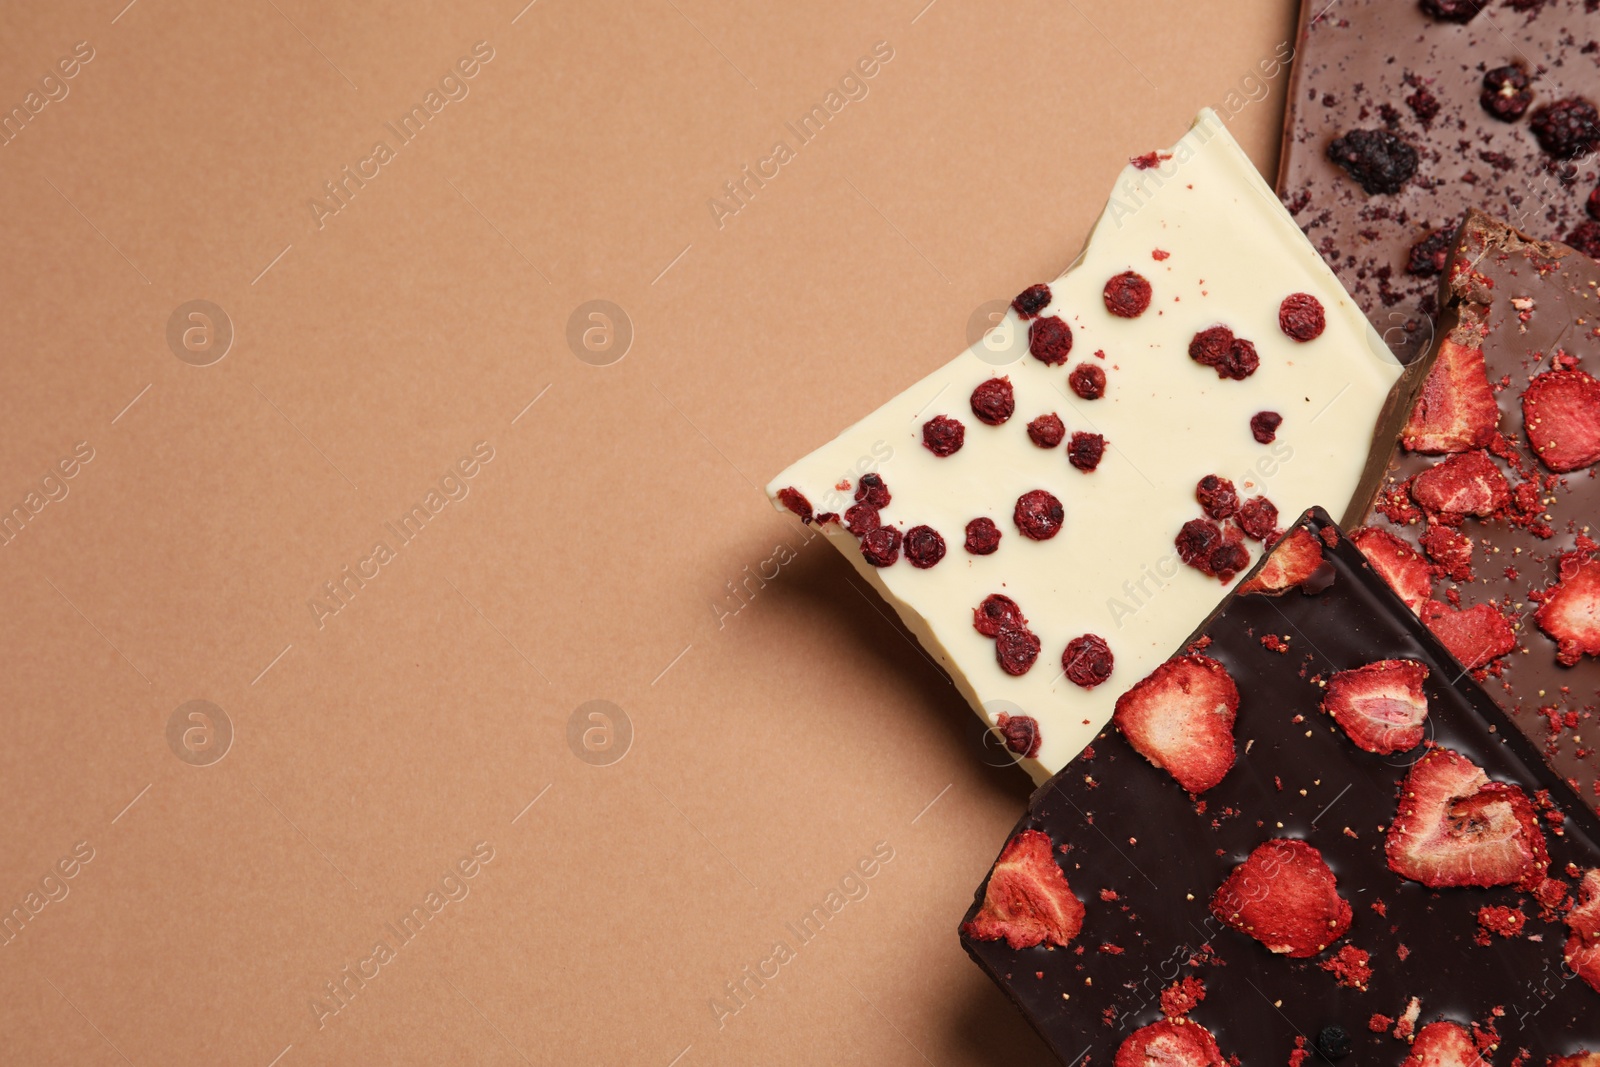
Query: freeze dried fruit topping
{"points": [[983, 536], [1293, 560], [1505, 93], [1031, 300], [1567, 128], [1021, 733], [872, 491], [1085, 450], [1468, 483], [1231, 357], [1583, 946], [1087, 661], [1170, 1043], [1580, 1059], [1456, 409], [1379, 160], [943, 436], [1217, 497], [1015, 650], [796, 502], [1211, 550], [1264, 426], [1088, 381], [1450, 549], [993, 402], [1301, 317], [1380, 706], [1285, 897], [1585, 237], [1050, 340], [1406, 572], [1047, 431], [1429, 255], [1455, 827], [1038, 515], [1561, 411], [1454, 10], [997, 612], [1571, 611], [1475, 635], [1351, 966], [1028, 901], [1258, 518], [881, 547], [1127, 295], [924, 546], [1444, 1044], [861, 519], [1180, 718]]}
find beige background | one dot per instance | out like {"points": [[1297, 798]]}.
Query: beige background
{"points": [[772, 746]]}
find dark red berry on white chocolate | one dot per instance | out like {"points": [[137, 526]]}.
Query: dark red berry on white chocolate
{"points": [[1050, 340], [1300, 316], [1087, 661], [1031, 300], [943, 436], [1085, 450], [1038, 515], [1127, 295], [1046, 431], [983, 536], [1088, 381], [993, 401]]}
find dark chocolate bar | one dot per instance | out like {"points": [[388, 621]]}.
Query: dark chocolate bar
{"points": [[1341, 758]]}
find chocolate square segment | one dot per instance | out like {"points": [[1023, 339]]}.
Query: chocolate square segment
{"points": [[1267, 911]]}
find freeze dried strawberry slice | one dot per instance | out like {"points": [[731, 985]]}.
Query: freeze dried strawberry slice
{"points": [[1444, 1044], [1293, 560], [1474, 635], [1464, 484], [1583, 947], [1561, 411], [1406, 572], [1456, 409], [1381, 706], [1180, 718], [1027, 901], [1450, 549], [1455, 827], [1571, 611], [1581, 1059], [1170, 1043], [1285, 897]]}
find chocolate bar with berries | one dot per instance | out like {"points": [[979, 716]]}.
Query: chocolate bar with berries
{"points": [[1307, 835], [1483, 521], [1405, 113]]}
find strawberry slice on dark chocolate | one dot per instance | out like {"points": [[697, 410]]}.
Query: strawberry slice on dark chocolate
{"points": [[1456, 409], [1406, 572], [1028, 901], [1170, 1043], [1475, 636], [1180, 718], [1583, 946], [1381, 706], [1465, 484], [1571, 611], [1561, 412], [1444, 1044], [1455, 827], [1285, 897], [1295, 560]]}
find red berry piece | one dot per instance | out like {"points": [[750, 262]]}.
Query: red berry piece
{"points": [[1561, 412], [796, 502], [1583, 946], [1218, 499], [1231, 357], [1088, 381], [1203, 545], [983, 536], [1455, 827], [1264, 426], [1571, 611], [1301, 317], [1285, 896], [1505, 93], [1050, 340], [1429, 255], [1450, 549], [872, 490], [1170, 1043], [1380, 706], [1379, 160], [1047, 430], [861, 519], [1027, 901], [993, 401], [1456, 409], [943, 436], [1567, 128], [1031, 300], [924, 547], [1021, 733], [1586, 239], [1087, 661], [1038, 515], [1085, 450], [1294, 560], [1475, 635], [1180, 718], [1454, 10], [997, 612], [1593, 203], [1127, 295], [1015, 650], [1465, 484], [1444, 1044], [881, 547], [1406, 572], [1258, 518]]}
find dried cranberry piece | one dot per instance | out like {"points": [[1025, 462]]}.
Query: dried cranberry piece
{"points": [[795, 501], [1050, 340], [1031, 300], [1217, 496], [943, 436], [825, 517], [1085, 449], [1586, 239], [1210, 346], [1453, 10], [1264, 426], [1377, 159], [997, 612], [1505, 93], [861, 519], [1087, 660], [993, 401], [1127, 295], [1594, 203], [1088, 381], [1567, 128], [1228, 558], [924, 546], [872, 490], [1300, 316], [1241, 361], [1016, 649], [1047, 431], [1038, 515], [1021, 733], [1429, 255], [1258, 518], [881, 547], [983, 536], [1196, 541]]}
